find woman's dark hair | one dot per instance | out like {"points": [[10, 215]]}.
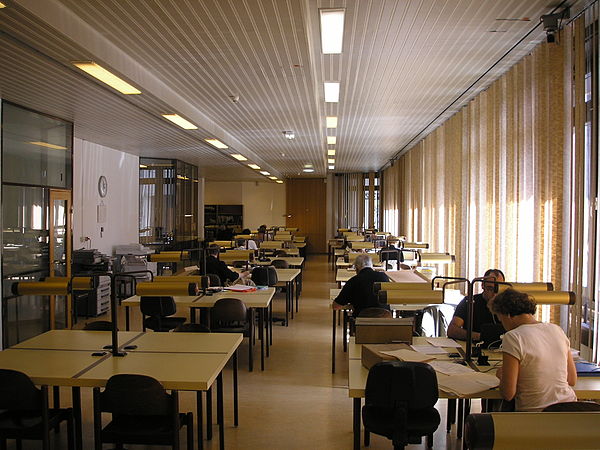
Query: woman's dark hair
{"points": [[246, 231], [213, 249], [491, 272], [513, 303]]}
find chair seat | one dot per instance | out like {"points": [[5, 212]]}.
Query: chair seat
{"points": [[230, 330], [140, 430], [17, 424], [419, 422], [164, 324]]}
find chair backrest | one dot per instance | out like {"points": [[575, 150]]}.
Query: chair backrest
{"points": [[572, 406], [280, 264], [214, 279], [192, 328], [157, 306], [228, 312], [392, 383], [264, 276], [375, 312], [129, 394], [99, 325], [18, 393]]}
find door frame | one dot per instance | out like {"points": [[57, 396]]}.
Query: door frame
{"points": [[61, 194]]}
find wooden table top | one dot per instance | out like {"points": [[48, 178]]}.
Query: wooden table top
{"points": [[286, 275], [183, 301], [256, 299], [91, 341]]}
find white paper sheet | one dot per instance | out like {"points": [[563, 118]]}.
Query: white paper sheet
{"points": [[409, 355], [442, 342], [429, 349], [450, 368], [468, 383]]}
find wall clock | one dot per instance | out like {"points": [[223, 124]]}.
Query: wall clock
{"points": [[102, 186]]}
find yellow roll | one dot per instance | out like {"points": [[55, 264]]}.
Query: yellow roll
{"points": [[243, 236], [177, 279], [392, 286], [54, 287], [553, 297], [417, 296], [415, 245], [436, 258], [527, 287], [78, 283], [159, 289], [166, 257]]}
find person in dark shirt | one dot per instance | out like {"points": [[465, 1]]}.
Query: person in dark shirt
{"points": [[358, 291], [481, 311], [218, 267]]}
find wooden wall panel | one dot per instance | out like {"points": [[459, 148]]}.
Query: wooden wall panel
{"points": [[306, 204]]}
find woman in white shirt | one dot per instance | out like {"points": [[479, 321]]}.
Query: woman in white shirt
{"points": [[537, 366]]}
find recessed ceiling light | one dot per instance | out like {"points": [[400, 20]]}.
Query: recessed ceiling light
{"points": [[331, 167], [330, 161], [265, 173], [332, 30], [143, 166], [239, 157], [48, 145], [308, 166], [272, 178], [254, 166], [279, 181], [289, 135], [178, 120], [331, 121], [332, 91], [308, 170], [331, 140], [216, 143], [331, 152], [2, 5], [100, 73]]}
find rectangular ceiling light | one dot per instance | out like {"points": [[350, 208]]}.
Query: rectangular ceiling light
{"points": [[279, 181], [330, 161], [143, 166], [216, 143], [2, 5], [254, 166], [332, 30], [100, 73], [331, 167], [331, 140], [265, 173], [178, 120], [272, 178], [332, 91], [48, 145], [239, 157], [331, 121], [331, 152]]}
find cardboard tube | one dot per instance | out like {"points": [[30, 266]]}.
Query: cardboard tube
{"points": [[54, 287], [78, 283], [177, 279], [553, 297], [527, 287], [159, 289], [392, 286], [415, 245], [414, 297]]}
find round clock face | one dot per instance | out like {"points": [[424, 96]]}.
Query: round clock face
{"points": [[102, 186]]}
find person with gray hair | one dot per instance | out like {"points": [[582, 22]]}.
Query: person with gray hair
{"points": [[358, 291]]}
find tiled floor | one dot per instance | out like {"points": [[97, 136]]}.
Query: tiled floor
{"points": [[296, 403]]}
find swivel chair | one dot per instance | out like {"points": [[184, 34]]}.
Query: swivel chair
{"points": [[159, 311]]}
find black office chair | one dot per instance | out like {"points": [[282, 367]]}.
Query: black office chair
{"points": [[572, 407], [142, 413], [214, 279], [400, 400], [192, 328], [229, 315], [99, 325], [24, 411], [159, 311], [280, 264]]}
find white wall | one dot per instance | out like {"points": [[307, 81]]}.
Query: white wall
{"points": [[264, 202], [121, 170]]}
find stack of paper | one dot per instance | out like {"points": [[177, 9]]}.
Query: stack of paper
{"points": [[409, 355], [467, 383], [429, 349], [240, 288], [450, 368], [442, 342]]}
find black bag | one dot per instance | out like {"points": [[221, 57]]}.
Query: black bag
{"points": [[264, 276]]}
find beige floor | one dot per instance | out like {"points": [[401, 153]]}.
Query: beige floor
{"points": [[296, 403]]}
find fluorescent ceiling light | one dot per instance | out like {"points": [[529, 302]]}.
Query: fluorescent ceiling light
{"points": [[2, 5], [254, 166], [100, 73], [279, 181], [272, 178], [48, 145], [143, 166], [332, 30], [216, 143], [289, 135], [308, 166], [239, 157], [308, 170], [332, 92], [331, 121], [331, 152], [330, 161], [331, 140], [265, 173], [178, 120], [331, 167]]}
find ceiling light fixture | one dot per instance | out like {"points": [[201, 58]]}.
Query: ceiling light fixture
{"points": [[289, 135], [331, 121], [254, 166], [331, 140], [239, 157], [100, 73], [332, 91], [265, 173], [332, 30], [330, 161], [143, 166], [48, 145], [272, 178], [331, 152], [178, 120], [2, 5], [216, 143], [279, 182], [308, 170], [331, 167]]}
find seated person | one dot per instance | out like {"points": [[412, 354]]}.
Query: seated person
{"points": [[537, 364], [248, 244], [481, 312], [262, 233], [358, 291], [218, 267]]}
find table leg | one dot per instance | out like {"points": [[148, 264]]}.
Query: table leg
{"points": [[291, 289], [267, 330], [220, 419], [333, 342], [287, 305], [261, 336], [459, 425], [356, 422], [235, 389], [298, 289], [251, 343], [450, 414], [192, 315], [271, 322], [76, 400], [199, 419], [209, 414], [127, 318], [345, 330], [367, 439]]}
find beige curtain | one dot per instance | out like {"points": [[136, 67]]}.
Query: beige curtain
{"points": [[349, 200]]}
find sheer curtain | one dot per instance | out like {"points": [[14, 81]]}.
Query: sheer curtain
{"points": [[349, 200]]}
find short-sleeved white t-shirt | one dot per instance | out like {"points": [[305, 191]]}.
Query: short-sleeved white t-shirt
{"points": [[542, 350]]}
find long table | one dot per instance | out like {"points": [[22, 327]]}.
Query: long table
{"points": [[259, 300], [290, 279], [178, 361]]}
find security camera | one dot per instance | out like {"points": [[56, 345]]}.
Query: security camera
{"points": [[552, 23], [234, 98]]}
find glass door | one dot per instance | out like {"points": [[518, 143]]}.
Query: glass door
{"points": [[60, 255]]}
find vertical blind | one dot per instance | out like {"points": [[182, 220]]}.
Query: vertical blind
{"points": [[349, 200]]}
